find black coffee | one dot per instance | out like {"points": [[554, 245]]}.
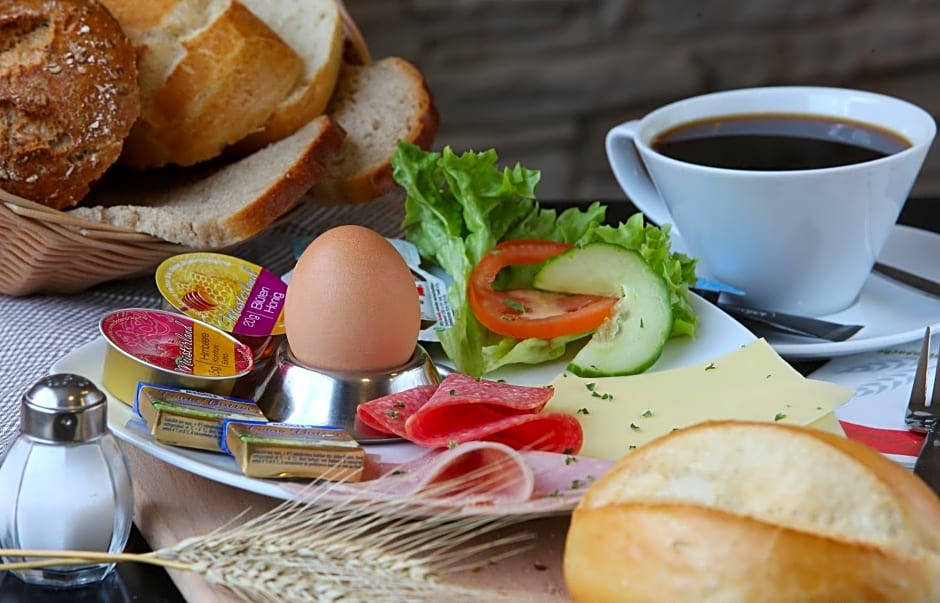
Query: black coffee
{"points": [[777, 142]]}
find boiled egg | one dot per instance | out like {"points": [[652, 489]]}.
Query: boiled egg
{"points": [[352, 304]]}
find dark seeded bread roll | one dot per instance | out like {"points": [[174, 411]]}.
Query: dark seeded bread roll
{"points": [[68, 97]]}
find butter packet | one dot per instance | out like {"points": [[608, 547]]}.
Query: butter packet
{"points": [[284, 450], [188, 418]]}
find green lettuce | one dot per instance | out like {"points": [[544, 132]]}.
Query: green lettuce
{"points": [[458, 207]]}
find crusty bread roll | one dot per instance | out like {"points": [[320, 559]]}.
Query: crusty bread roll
{"points": [[377, 104], [752, 513], [216, 205], [314, 29], [68, 87], [211, 72]]}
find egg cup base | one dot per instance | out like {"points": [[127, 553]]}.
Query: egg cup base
{"points": [[299, 394]]}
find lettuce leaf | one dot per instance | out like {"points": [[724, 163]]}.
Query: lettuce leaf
{"points": [[458, 207]]}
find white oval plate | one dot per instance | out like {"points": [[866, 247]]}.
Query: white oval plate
{"points": [[718, 334]]}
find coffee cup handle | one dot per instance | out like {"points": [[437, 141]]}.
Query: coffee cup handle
{"points": [[631, 174]]}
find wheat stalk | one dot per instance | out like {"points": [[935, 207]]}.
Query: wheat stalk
{"points": [[310, 550]]}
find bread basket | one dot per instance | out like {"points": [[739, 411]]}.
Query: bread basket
{"points": [[49, 251], [43, 250]]}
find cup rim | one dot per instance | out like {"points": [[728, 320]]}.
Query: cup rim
{"points": [[642, 137]]}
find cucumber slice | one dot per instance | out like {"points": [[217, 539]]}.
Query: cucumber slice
{"points": [[633, 337]]}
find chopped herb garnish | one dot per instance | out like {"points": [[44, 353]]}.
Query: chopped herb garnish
{"points": [[453, 392], [590, 386], [570, 459], [399, 472], [451, 444], [582, 411], [399, 404], [394, 414], [641, 323], [631, 446], [515, 305], [648, 413], [575, 484], [710, 367], [634, 427], [780, 416], [554, 493], [819, 408]]}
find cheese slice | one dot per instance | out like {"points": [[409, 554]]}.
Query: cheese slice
{"points": [[753, 383]]}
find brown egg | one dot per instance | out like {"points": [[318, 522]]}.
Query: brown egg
{"points": [[352, 304]]}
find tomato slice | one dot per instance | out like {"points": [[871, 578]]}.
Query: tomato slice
{"points": [[525, 313]]}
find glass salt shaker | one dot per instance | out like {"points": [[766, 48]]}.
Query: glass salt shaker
{"points": [[64, 481]]}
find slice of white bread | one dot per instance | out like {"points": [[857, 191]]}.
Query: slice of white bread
{"points": [[314, 29], [754, 512], [210, 73], [377, 104], [215, 206]]}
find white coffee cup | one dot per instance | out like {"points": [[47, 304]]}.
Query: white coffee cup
{"points": [[801, 241]]}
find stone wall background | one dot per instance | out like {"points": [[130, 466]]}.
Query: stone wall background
{"points": [[543, 80]]}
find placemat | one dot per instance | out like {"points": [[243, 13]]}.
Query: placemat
{"points": [[38, 330]]}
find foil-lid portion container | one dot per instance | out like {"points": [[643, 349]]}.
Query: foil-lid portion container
{"points": [[167, 348], [229, 293]]}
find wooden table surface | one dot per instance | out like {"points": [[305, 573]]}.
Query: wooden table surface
{"points": [[172, 504]]}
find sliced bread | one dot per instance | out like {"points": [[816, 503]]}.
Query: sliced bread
{"points": [[215, 206], [210, 73], [377, 104], [755, 512], [314, 29]]}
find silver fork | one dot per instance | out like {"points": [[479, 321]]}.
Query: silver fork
{"points": [[922, 417]]}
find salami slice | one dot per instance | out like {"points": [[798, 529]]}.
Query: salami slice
{"points": [[465, 409], [389, 413]]}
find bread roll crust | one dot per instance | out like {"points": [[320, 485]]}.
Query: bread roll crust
{"points": [[68, 86], [659, 553], [210, 74], [314, 29], [747, 512]]}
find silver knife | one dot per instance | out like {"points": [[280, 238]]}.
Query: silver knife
{"points": [[910, 279]]}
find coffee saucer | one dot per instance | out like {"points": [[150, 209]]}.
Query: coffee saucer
{"points": [[891, 312]]}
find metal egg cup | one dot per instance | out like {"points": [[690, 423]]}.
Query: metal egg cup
{"points": [[295, 393]]}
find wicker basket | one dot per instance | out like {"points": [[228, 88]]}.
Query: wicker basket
{"points": [[50, 251], [43, 250]]}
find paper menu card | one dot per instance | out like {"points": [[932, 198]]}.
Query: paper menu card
{"points": [[882, 382], [753, 383]]}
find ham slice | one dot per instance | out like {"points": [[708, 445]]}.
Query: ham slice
{"points": [[477, 477], [465, 409]]}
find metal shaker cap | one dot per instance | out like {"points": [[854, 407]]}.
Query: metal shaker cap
{"points": [[64, 408]]}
